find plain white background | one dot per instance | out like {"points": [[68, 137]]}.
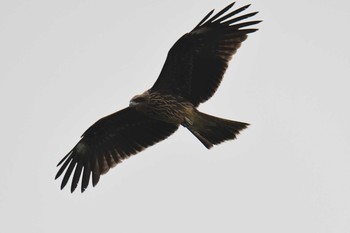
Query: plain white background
{"points": [[65, 64]]}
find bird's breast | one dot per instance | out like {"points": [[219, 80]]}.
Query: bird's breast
{"points": [[169, 108]]}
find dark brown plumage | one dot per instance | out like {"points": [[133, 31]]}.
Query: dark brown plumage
{"points": [[192, 72]]}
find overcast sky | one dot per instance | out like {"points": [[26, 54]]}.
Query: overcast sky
{"points": [[65, 64]]}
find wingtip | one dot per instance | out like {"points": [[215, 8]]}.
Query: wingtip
{"points": [[246, 6], [227, 8], [254, 13], [64, 158], [230, 5], [62, 186], [73, 187], [220, 13], [243, 8], [251, 30], [204, 19]]}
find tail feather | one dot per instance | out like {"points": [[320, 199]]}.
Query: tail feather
{"points": [[212, 130]]}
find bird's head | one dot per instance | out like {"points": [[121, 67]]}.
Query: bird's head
{"points": [[140, 100]]}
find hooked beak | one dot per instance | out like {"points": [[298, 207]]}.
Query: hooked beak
{"points": [[132, 103]]}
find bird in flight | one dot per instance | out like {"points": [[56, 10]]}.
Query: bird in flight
{"points": [[193, 70]]}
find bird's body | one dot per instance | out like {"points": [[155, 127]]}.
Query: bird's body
{"points": [[163, 106], [192, 72]]}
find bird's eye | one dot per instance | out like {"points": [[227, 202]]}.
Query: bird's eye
{"points": [[139, 99]]}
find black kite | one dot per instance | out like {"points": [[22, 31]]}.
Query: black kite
{"points": [[192, 72]]}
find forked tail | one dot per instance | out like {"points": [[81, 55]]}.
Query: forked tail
{"points": [[212, 130]]}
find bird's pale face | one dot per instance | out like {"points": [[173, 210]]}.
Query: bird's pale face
{"points": [[139, 101]]}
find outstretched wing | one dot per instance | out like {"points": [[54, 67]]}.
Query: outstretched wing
{"points": [[196, 63], [109, 141]]}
